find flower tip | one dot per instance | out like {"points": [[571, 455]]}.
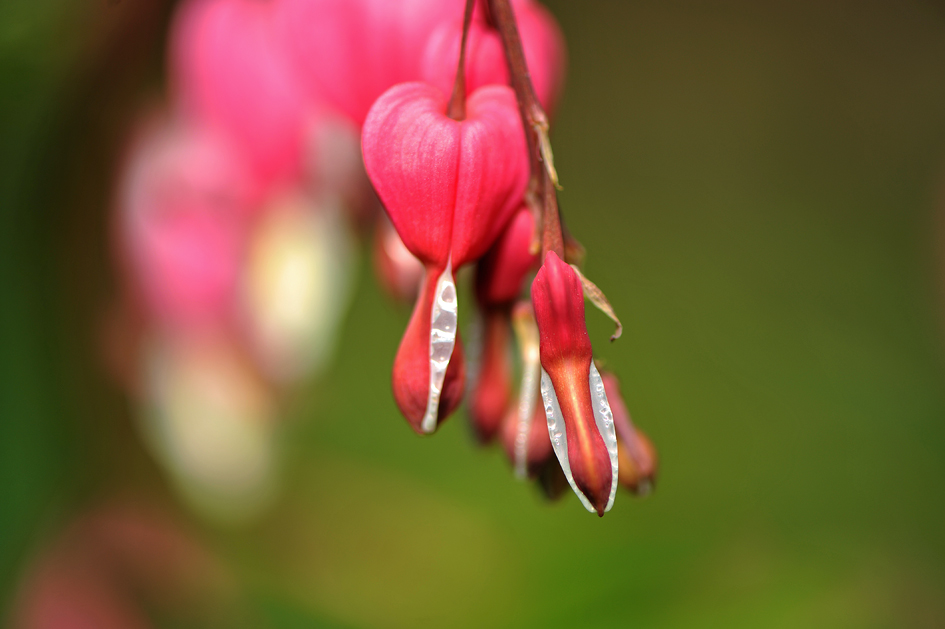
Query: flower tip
{"points": [[595, 484], [429, 372]]}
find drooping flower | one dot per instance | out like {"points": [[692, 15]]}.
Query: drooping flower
{"points": [[527, 441], [351, 51], [113, 565], [580, 422], [501, 273], [449, 187]]}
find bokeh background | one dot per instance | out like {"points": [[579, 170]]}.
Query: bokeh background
{"points": [[761, 190]]}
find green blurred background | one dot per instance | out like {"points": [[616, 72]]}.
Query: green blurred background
{"points": [[760, 189]]}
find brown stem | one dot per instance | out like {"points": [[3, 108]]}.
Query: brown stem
{"points": [[457, 106], [544, 179]]}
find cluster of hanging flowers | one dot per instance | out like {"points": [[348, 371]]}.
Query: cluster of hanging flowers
{"points": [[241, 200]]}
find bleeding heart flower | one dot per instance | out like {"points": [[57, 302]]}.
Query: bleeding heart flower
{"points": [[182, 223], [580, 422], [296, 285], [230, 71], [525, 430], [449, 187]]}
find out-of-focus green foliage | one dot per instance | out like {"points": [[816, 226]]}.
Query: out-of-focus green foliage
{"points": [[759, 187]]}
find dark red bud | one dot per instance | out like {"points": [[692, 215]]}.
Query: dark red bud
{"points": [[639, 464], [637, 454], [565, 349], [490, 397], [411, 374]]}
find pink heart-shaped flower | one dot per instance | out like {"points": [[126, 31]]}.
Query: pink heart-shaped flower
{"points": [[449, 186]]}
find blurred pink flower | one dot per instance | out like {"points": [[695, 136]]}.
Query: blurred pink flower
{"points": [[112, 564], [542, 41], [229, 70], [351, 51], [182, 219]]}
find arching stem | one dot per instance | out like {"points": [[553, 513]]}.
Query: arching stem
{"points": [[544, 177]]}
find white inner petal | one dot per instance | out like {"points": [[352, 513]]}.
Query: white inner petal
{"points": [[605, 425], [442, 339], [558, 434]]}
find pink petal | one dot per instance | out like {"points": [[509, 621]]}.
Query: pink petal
{"points": [[485, 59], [183, 216], [494, 171], [411, 154]]}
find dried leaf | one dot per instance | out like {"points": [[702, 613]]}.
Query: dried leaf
{"points": [[597, 297]]}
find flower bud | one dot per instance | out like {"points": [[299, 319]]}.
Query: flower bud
{"points": [[636, 453], [579, 418], [499, 276], [525, 433]]}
